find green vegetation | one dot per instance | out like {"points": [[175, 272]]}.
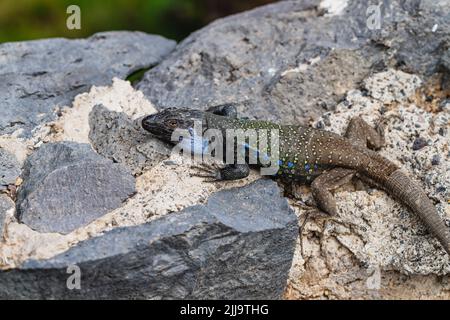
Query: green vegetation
{"points": [[34, 19]]}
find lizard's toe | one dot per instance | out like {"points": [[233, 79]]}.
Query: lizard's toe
{"points": [[210, 173]]}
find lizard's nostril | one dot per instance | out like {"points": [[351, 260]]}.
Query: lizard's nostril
{"points": [[147, 121]]}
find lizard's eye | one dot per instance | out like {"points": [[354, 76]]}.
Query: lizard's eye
{"points": [[172, 123]]}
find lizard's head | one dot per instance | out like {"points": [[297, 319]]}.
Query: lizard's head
{"points": [[164, 123]]}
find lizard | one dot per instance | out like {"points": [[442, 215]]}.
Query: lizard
{"points": [[323, 158]]}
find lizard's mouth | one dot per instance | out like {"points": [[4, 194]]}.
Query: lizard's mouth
{"points": [[153, 125], [148, 123]]}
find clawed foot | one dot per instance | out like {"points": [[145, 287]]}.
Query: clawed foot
{"points": [[211, 172]]}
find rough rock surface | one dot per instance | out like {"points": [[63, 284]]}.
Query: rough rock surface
{"points": [[9, 168], [296, 59], [405, 261], [67, 185], [6, 204], [375, 247], [288, 61], [73, 124], [117, 137], [196, 253], [166, 187], [37, 77]]}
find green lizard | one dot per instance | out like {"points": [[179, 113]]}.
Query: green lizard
{"points": [[325, 158]]}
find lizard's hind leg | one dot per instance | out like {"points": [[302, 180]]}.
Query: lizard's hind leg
{"points": [[323, 185], [362, 134], [321, 189]]}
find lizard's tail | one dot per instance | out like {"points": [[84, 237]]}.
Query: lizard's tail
{"points": [[408, 192]]}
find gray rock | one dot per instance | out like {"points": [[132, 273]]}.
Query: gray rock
{"points": [[445, 103], [289, 62], [416, 47], [435, 160], [67, 185], [38, 76], [9, 169], [5, 204], [238, 246], [419, 143], [115, 136]]}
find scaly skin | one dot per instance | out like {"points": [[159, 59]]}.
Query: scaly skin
{"points": [[309, 154]]}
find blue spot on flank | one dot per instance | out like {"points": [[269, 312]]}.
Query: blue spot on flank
{"points": [[290, 164], [307, 167], [316, 167], [280, 162], [244, 149], [205, 145]]}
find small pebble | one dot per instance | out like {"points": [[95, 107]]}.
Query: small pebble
{"points": [[18, 182], [323, 105], [445, 104], [428, 179], [435, 160], [320, 125], [326, 120], [419, 143], [440, 189], [402, 92]]}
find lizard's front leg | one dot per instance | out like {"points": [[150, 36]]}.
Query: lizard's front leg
{"points": [[227, 110], [228, 172]]}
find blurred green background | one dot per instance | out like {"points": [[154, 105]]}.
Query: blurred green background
{"points": [[175, 19]]}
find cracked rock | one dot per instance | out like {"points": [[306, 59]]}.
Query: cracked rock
{"points": [[67, 185], [115, 136], [239, 245]]}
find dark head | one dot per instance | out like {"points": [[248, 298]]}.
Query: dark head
{"points": [[163, 124]]}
